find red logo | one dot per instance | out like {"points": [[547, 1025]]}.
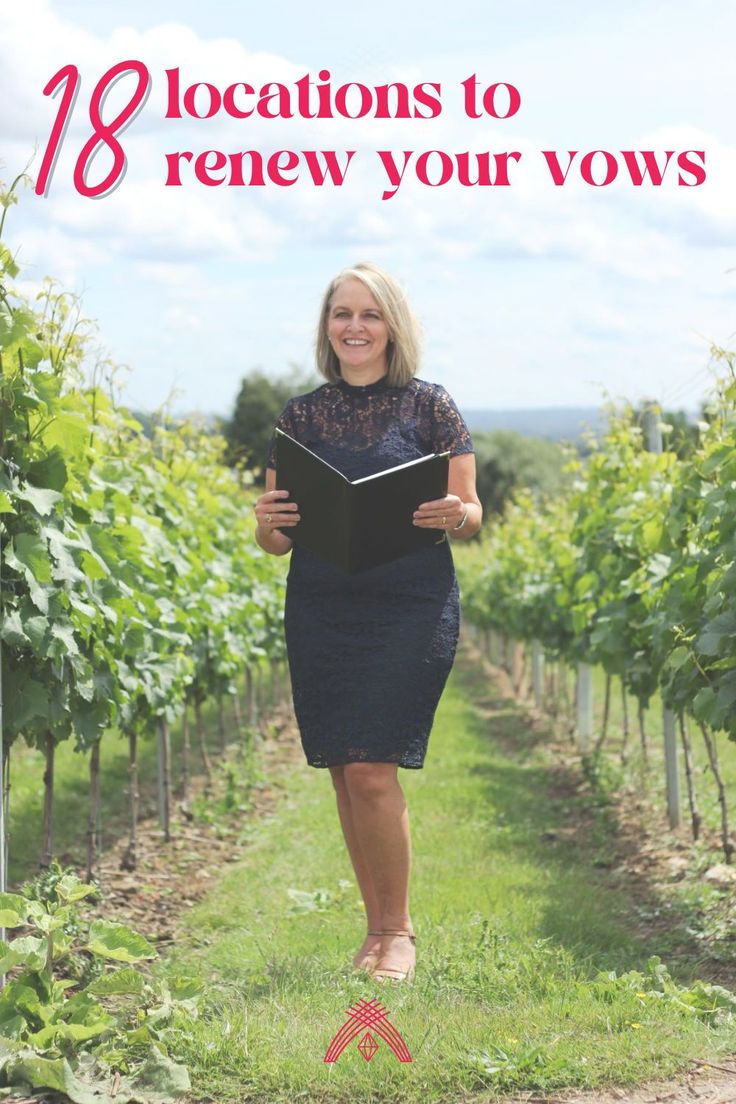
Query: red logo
{"points": [[367, 1014]]}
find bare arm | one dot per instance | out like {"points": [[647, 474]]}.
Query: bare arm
{"points": [[461, 496], [281, 514], [461, 482]]}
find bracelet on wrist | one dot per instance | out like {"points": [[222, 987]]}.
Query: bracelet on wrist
{"points": [[464, 519]]}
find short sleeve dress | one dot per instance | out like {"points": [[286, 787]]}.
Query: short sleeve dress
{"points": [[369, 654]]}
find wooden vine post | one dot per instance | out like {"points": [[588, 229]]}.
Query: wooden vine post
{"points": [[671, 767], [251, 698], [185, 755], [238, 712], [695, 818], [625, 723], [584, 703], [164, 777], [221, 727], [653, 443], [129, 860], [93, 832], [538, 674], [202, 739], [48, 802]]}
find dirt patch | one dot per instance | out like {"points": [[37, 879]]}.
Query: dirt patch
{"points": [[705, 1083]]}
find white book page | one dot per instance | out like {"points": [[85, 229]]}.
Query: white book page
{"points": [[397, 467]]}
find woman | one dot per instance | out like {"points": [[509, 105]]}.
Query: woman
{"points": [[369, 653]]}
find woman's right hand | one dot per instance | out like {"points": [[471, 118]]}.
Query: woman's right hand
{"points": [[272, 513]]}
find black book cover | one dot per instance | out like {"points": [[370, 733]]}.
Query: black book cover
{"points": [[361, 523]]}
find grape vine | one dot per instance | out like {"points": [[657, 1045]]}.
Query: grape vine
{"points": [[131, 585]]}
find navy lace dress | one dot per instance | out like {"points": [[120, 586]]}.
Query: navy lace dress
{"points": [[369, 653]]}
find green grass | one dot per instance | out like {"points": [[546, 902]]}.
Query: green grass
{"points": [[513, 933]]}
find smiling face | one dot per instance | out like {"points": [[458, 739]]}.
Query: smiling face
{"points": [[357, 331]]}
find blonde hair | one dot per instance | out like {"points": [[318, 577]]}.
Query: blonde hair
{"points": [[405, 340]]}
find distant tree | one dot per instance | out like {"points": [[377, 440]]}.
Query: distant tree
{"points": [[151, 419], [683, 439], [506, 460], [146, 419], [259, 402]]}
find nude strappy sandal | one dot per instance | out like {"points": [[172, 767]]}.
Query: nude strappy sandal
{"points": [[371, 958], [395, 973]]}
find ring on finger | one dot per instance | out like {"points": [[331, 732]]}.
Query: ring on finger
{"points": [[268, 519]]}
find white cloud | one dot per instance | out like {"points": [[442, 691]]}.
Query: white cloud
{"points": [[182, 319], [627, 267], [144, 219]]}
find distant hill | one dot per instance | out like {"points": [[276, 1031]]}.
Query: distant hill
{"points": [[148, 419], [555, 423]]}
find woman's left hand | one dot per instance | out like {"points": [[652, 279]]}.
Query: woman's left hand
{"points": [[441, 513]]}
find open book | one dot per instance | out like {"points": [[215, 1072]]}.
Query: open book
{"points": [[361, 523]]}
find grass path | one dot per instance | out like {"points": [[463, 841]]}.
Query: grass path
{"points": [[513, 935]]}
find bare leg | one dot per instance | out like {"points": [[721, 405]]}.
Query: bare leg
{"points": [[380, 819], [368, 952]]}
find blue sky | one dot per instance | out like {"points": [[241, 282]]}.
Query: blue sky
{"points": [[528, 296]]}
